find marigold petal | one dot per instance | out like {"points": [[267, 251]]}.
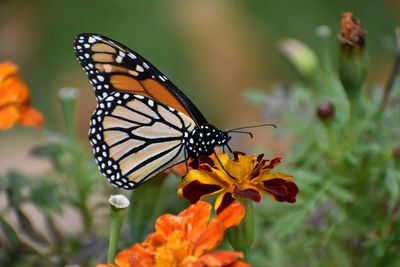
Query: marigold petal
{"points": [[203, 162], [223, 200], [136, 255], [123, 258], [209, 238], [239, 264], [31, 117], [232, 215], [7, 69], [197, 190], [281, 190], [197, 217], [167, 223], [202, 176], [220, 258], [156, 239], [249, 193], [8, 116], [13, 91], [236, 155], [223, 158], [275, 162], [213, 233], [237, 169]]}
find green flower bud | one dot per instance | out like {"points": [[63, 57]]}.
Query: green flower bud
{"points": [[68, 97], [241, 237], [300, 56], [353, 64]]}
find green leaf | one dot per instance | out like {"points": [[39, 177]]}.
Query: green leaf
{"points": [[46, 150], [27, 228], [15, 182], [43, 194], [341, 194], [392, 182], [9, 233], [339, 255]]}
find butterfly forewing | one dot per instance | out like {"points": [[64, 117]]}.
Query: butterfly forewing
{"points": [[112, 67], [134, 138]]}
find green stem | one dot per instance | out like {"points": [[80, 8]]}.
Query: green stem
{"points": [[68, 97], [117, 216], [390, 83]]}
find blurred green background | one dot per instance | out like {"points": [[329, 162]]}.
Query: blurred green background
{"points": [[215, 51], [210, 49]]}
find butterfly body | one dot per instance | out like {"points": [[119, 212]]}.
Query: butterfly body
{"points": [[143, 124]]}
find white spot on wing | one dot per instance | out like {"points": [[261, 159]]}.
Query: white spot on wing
{"points": [[139, 68]]}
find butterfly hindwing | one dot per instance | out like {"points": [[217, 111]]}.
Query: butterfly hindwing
{"points": [[134, 138], [111, 66]]}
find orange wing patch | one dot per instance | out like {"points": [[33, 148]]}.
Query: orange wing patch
{"points": [[108, 59], [103, 57], [149, 88], [163, 95], [104, 48]]}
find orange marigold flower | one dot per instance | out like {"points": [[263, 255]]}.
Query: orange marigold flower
{"points": [[186, 240], [249, 177], [15, 99]]}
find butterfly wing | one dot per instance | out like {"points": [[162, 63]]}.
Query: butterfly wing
{"points": [[134, 138], [113, 67]]}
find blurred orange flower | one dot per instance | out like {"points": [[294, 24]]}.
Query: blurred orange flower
{"points": [[249, 177], [15, 100], [186, 240]]}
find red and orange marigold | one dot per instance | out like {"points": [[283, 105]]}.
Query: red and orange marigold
{"points": [[15, 100], [244, 176]]}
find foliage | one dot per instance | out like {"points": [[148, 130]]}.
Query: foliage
{"points": [[346, 169], [71, 183]]}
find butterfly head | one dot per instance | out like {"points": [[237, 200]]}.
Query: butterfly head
{"points": [[214, 136], [204, 139]]}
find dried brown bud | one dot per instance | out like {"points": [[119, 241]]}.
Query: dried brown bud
{"points": [[351, 34], [353, 60], [326, 111], [396, 153]]}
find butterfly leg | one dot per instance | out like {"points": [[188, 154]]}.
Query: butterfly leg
{"points": [[230, 150], [222, 166], [186, 163]]}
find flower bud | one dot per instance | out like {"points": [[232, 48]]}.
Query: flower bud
{"points": [[118, 202], [300, 56], [396, 153], [68, 97], [241, 237], [353, 63], [326, 111]]}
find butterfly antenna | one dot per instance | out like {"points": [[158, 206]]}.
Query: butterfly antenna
{"points": [[252, 126], [249, 133]]}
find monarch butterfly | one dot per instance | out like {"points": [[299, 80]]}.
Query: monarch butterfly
{"points": [[143, 124]]}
